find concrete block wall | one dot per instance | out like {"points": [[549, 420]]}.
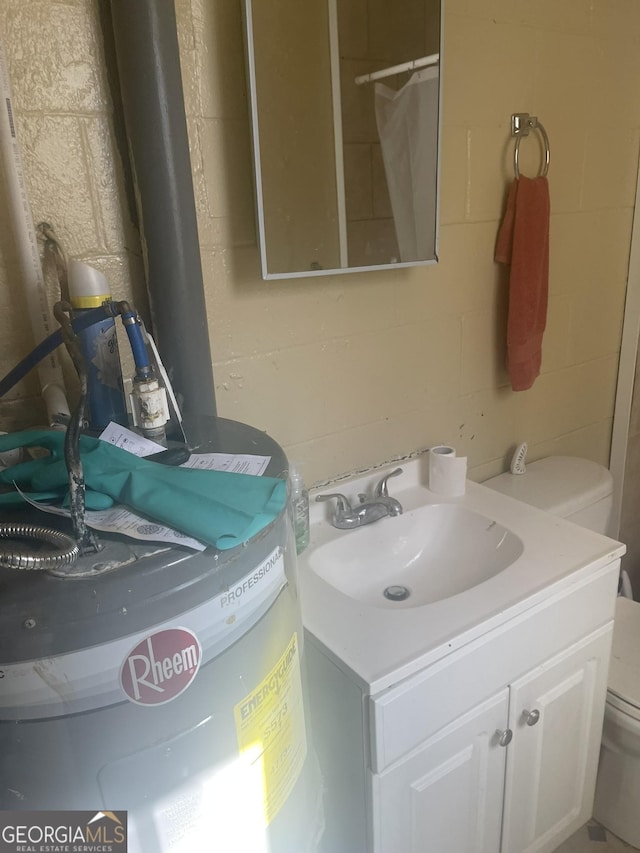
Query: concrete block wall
{"points": [[73, 171]]}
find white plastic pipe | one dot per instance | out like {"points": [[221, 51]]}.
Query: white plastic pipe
{"points": [[49, 370]]}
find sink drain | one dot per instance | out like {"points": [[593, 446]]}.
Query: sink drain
{"points": [[397, 593]]}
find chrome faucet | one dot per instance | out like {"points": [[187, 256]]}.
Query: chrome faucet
{"points": [[381, 505]]}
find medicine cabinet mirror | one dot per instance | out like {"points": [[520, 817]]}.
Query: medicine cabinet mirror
{"points": [[345, 109]]}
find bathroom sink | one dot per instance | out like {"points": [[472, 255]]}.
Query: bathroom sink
{"points": [[423, 556]]}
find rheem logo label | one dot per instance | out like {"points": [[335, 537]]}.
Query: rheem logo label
{"points": [[161, 666]]}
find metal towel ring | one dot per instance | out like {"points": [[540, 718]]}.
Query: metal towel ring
{"points": [[521, 125]]}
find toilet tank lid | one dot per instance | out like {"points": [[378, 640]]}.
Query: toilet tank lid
{"points": [[624, 670], [561, 485]]}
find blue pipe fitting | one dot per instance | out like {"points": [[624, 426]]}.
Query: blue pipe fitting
{"points": [[138, 346]]}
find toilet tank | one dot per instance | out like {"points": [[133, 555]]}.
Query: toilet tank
{"points": [[567, 486]]}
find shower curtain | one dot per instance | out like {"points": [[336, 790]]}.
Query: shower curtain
{"points": [[407, 122]]}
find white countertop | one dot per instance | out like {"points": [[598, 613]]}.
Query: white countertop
{"points": [[380, 646]]}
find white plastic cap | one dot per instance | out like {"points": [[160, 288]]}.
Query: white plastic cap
{"points": [[88, 287]]}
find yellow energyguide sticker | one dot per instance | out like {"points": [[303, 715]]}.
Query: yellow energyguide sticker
{"points": [[270, 725]]}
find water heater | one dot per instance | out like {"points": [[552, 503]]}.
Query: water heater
{"points": [[167, 683]]}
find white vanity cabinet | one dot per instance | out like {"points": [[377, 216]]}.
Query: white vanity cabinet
{"points": [[447, 794], [553, 756], [491, 749], [520, 766]]}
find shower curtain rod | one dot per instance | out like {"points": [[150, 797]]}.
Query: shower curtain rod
{"points": [[433, 59]]}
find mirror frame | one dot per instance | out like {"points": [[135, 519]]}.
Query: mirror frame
{"points": [[255, 140]]}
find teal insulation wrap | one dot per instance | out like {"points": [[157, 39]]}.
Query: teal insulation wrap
{"points": [[218, 508]]}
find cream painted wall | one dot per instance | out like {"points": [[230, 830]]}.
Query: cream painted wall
{"points": [[350, 371]]}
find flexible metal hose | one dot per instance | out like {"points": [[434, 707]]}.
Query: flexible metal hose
{"points": [[64, 553], [63, 311]]}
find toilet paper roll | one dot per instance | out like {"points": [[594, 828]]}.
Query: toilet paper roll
{"points": [[447, 472]]}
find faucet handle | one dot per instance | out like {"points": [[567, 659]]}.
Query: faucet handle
{"points": [[381, 490], [343, 505]]}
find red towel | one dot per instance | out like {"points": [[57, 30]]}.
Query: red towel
{"points": [[523, 242]]}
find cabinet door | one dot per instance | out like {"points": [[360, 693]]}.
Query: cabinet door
{"points": [[556, 715], [447, 794]]}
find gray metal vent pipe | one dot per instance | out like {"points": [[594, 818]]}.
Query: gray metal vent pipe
{"points": [[146, 47]]}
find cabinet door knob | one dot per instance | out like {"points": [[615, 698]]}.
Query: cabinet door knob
{"points": [[531, 717], [504, 737]]}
